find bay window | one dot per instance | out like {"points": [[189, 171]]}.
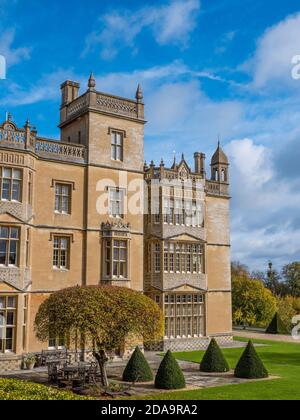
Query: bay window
{"points": [[9, 245], [183, 258], [184, 315], [11, 184], [115, 259]]}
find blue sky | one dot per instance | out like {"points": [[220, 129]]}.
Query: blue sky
{"points": [[207, 68]]}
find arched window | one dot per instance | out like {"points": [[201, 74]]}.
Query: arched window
{"points": [[223, 176], [216, 175]]}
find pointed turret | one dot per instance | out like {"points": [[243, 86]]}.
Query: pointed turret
{"points": [[219, 166]]}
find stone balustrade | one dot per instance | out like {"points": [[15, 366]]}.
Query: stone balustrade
{"points": [[12, 138], [216, 188], [116, 105], [60, 151]]}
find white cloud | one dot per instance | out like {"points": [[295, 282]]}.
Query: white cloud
{"points": [[45, 89], [272, 61], [13, 55], [253, 162], [265, 219], [169, 24]]}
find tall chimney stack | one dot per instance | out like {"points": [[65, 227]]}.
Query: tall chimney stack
{"points": [[69, 92], [200, 164]]}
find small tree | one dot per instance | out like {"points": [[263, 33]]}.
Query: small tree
{"points": [[169, 374], [214, 360], [137, 369], [250, 366], [277, 326], [104, 316]]}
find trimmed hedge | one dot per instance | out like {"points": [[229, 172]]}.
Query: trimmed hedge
{"points": [[15, 389], [137, 369], [277, 326], [169, 374], [250, 365], [214, 360]]}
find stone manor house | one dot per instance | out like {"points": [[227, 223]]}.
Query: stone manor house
{"points": [[52, 235]]}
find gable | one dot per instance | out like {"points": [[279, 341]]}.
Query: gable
{"points": [[184, 237], [7, 288], [7, 217], [186, 288]]}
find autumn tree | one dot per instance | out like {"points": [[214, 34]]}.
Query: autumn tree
{"points": [[253, 304], [103, 315], [288, 307], [291, 275]]}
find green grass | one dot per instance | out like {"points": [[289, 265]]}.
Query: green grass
{"points": [[281, 359]]}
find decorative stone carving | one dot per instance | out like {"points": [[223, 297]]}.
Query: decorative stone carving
{"points": [[61, 151], [117, 105], [115, 226], [19, 210], [76, 106]]}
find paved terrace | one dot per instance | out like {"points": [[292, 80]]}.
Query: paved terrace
{"points": [[194, 378]]}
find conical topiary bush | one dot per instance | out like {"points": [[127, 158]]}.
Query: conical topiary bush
{"points": [[277, 326], [250, 366], [214, 360], [137, 369], [169, 375]]}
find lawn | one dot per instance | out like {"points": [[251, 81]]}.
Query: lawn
{"points": [[281, 359]]}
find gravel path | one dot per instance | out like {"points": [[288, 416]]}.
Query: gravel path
{"points": [[263, 336]]}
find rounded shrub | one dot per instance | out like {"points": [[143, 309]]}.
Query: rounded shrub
{"points": [[137, 369], [214, 360], [169, 374], [250, 365], [277, 326]]}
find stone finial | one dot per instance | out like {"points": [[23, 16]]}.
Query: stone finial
{"points": [[27, 124], [139, 93], [92, 82], [162, 163], [182, 156]]}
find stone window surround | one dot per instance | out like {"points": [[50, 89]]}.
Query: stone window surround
{"points": [[18, 240], [111, 240], [176, 317], [70, 238], [14, 326], [12, 168], [71, 185], [123, 135]]}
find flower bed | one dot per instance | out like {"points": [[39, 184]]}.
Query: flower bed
{"points": [[14, 389]]}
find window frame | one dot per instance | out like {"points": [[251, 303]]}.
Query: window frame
{"points": [[116, 203], [9, 239], [112, 247], [184, 315], [117, 150], [10, 179], [183, 257], [61, 185], [57, 253], [5, 310]]}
